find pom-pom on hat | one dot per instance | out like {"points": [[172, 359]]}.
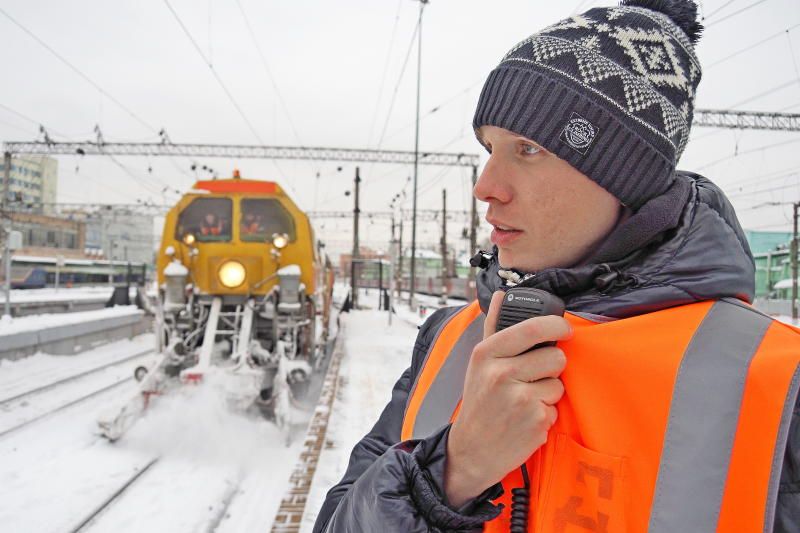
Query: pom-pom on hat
{"points": [[611, 91]]}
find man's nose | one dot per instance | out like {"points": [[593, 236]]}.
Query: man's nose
{"points": [[493, 183]]}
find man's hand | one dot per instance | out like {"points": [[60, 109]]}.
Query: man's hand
{"points": [[508, 402]]}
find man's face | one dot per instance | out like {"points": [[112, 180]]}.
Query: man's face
{"points": [[544, 212]]}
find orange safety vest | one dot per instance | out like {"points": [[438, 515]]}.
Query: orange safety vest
{"points": [[249, 229], [672, 422], [211, 230]]}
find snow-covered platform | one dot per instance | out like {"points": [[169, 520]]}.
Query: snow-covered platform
{"points": [[373, 356], [63, 300], [68, 333]]}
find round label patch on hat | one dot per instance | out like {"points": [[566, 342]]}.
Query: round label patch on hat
{"points": [[579, 133]]}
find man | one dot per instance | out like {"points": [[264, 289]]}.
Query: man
{"points": [[251, 225], [211, 225], [668, 404]]}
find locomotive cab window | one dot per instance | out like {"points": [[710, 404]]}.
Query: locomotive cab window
{"points": [[262, 218], [208, 219]]}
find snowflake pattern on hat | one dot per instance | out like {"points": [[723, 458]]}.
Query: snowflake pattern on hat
{"points": [[633, 59]]}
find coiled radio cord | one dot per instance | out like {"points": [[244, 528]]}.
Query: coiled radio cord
{"points": [[520, 504]]}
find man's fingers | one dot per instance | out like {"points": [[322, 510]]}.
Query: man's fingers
{"points": [[552, 414], [548, 390], [547, 362], [522, 337], [490, 324]]}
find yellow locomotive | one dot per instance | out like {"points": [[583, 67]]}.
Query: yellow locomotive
{"points": [[242, 294], [233, 225]]}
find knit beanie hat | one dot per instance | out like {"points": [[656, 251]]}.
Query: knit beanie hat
{"points": [[611, 91]]}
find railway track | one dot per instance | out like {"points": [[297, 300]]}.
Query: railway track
{"points": [[67, 405], [54, 384], [227, 499], [109, 501]]}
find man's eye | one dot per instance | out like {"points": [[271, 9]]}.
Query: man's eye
{"points": [[529, 149]]}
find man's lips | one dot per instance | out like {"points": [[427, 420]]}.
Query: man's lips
{"points": [[503, 234]]}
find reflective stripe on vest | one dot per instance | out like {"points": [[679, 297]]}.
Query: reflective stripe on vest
{"points": [[672, 421]]}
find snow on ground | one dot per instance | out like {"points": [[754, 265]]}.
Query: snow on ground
{"points": [[375, 355], [340, 291], [215, 467], [57, 470], [41, 369], [207, 453], [39, 322]]}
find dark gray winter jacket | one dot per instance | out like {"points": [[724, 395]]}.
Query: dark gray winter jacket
{"points": [[681, 247]]}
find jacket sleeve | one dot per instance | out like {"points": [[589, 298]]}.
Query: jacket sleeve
{"points": [[397, 486], [787, 514]]}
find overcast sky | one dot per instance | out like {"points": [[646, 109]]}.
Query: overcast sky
{"points": [[336, 66]]}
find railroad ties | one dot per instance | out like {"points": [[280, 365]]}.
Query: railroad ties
{"points": [[290, 513]]}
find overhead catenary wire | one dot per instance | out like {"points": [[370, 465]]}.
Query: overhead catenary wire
{"points": [[762, 191], [125, 169], [397, 85], [758, 96], [385, 72], [762, 179], [17, 127], [214, 72], [79, 72], [32, 120], [274, 84], [268, 72], [223, 86], [768, 92], [146, 184], [794, 58], [720, 8], [752, 150], [730, 15], [436, 108], [749, 47]]}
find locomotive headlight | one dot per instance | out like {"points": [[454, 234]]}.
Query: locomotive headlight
{"points": [[280, 240], [232, 274], [188, 239]]}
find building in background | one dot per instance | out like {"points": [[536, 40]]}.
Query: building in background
{"points": [[120, 235], [33, 180], [48, 236], [765, 241]]}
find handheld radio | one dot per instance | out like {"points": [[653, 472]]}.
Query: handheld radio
{"points": [[522, 303]]}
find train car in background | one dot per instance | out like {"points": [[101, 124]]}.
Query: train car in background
{"points": [[243, 297], [38, 272]]}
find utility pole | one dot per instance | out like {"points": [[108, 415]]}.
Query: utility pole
{"points": [[411, 302], [795, 207], [443, 298], [400, 261], [354, 258], [13, 241], [392, 270], [7, 271], [6, 178], [473, 233]]}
